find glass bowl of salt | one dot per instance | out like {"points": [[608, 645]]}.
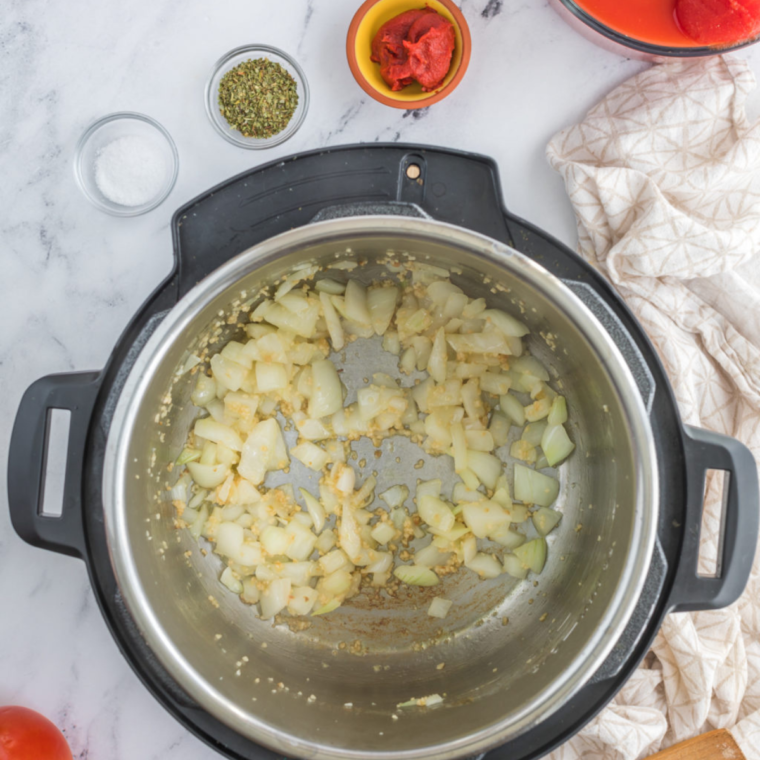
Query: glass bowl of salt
{"points": [[126, 164]]}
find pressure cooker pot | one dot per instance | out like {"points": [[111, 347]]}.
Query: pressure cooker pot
{"points": [[510, 656]]}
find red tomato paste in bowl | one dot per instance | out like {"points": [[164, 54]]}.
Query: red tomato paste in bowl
{"points": [[679, 23], [415, 46]]}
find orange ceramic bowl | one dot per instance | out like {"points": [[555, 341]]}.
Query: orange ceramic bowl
{"points": [[365, 25]]}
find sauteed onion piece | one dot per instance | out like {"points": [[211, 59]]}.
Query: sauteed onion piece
{"points": [[308, 554]]}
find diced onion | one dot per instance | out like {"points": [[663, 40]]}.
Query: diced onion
{"points": [[302, 600], [391, 343], [513, 409], [529, 365], [227, 372], [214, 431], [469, 548], [462, 493], [505, 323], [334, 560], [188, 455], [251, 593], [229, 539], [383, 532], [534, 432], [479, 343], [299, 573], [429, 488], [350, 540], [310, 455], [486, 466], [275, 598], [408, 362], [336, 583], [197, 526], [326, 541], [275, 540], [439, 607], [301, 541], [518, 513], [230, 581], [414, 575], [523, 451], [315, 509], [381, 303], [538, 409], [346, 478], [490, 382], [332, 319], [459, 446], [381, 562], [485, 565], [513, 566], [435, 512], [310, 562], [396, 496], [356, 303], [236, 352], [436, 364], [205, 390], [326, 285], [333, 604], [558, 412], [532, 554], [479, 440], [423, 347], [545, 520], [470, 479], [327, 393], [430, 556], [509, 539], [533, 487], [484, 517], [264, 450], [556, 444], [241, 406], [208, 476]]}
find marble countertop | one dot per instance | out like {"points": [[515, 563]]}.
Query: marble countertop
{"points": [[74, 276]]}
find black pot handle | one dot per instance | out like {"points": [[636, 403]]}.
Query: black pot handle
{"points": [[704, 451], [28, 456]]}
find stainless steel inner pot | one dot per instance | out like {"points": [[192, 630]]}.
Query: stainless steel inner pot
{"points": [[509, 653]]}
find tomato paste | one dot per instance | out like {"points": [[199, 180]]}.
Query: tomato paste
{"points": [[719, 22], [679, 23], [415, 46]]}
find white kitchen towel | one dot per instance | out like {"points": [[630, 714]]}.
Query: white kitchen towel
{"points": [[664, 176]]}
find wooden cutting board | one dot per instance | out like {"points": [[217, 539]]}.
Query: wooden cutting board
{"points": [[717, 745]]}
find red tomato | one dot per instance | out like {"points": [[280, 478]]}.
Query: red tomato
{"points": [[27, 735]]}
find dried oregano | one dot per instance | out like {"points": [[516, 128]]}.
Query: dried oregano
{"points": [[258, 98]]}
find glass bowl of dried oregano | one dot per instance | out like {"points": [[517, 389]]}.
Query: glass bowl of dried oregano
{"points": [[257, 96]]}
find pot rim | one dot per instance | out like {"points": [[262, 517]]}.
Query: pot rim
{"points": [[630, 584]]}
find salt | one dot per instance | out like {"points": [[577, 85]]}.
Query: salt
{"points": [[130, 170]]}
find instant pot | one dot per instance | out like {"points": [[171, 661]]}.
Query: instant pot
{"points": [[520, 666]]}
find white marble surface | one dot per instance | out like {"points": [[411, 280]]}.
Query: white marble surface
{"points": [[72, 276]]}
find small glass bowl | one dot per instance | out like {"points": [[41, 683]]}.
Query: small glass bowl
{"points": [[105, 131], [236, 57]]}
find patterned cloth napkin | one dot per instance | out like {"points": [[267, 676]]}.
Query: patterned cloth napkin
{"points": [[664, 176]]}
